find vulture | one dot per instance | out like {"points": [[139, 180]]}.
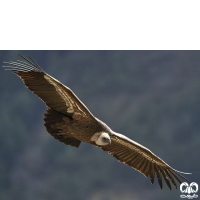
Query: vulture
{"points": [[68, 120]]}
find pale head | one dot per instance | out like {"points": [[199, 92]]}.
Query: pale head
{"points": [[101, 138]]}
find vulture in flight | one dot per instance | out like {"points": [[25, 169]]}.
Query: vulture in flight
{"points": [[68, 120]]}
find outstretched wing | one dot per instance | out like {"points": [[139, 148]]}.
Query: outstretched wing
{"points": [[142, 159], [52, 92]]}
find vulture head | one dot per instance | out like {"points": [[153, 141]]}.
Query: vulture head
{"points": [[101, 138]]}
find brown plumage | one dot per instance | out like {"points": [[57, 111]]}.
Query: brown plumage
{"points": [[68, 120]]}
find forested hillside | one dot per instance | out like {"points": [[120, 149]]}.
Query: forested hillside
{"points": [[153, 97]]}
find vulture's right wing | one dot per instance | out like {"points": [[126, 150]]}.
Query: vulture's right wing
{"points": [[54, 94]]}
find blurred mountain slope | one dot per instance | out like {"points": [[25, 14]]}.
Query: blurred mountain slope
{"points": [[153, 97]]}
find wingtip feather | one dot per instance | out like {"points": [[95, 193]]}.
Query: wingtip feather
{"points": [[20, 66]]}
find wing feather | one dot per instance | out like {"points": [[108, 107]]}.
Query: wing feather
{"points": [[151, 173], [142, 159], [171, 178], [175, 176], [165, 177], [52, 92], [145, 168], [141, 163], [137, 161], [159, 178]]}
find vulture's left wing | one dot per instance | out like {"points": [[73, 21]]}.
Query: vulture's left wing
{"points": [[142, 159]]}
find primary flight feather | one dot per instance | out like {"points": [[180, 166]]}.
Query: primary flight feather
{"points": [[68, 120]]}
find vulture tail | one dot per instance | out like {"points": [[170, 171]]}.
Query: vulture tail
{"points": [[54, 122]]}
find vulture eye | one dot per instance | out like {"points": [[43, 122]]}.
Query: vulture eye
{"points": [[105, 140]]}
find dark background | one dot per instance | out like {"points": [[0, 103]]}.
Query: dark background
{"points": [[153, 97]]}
